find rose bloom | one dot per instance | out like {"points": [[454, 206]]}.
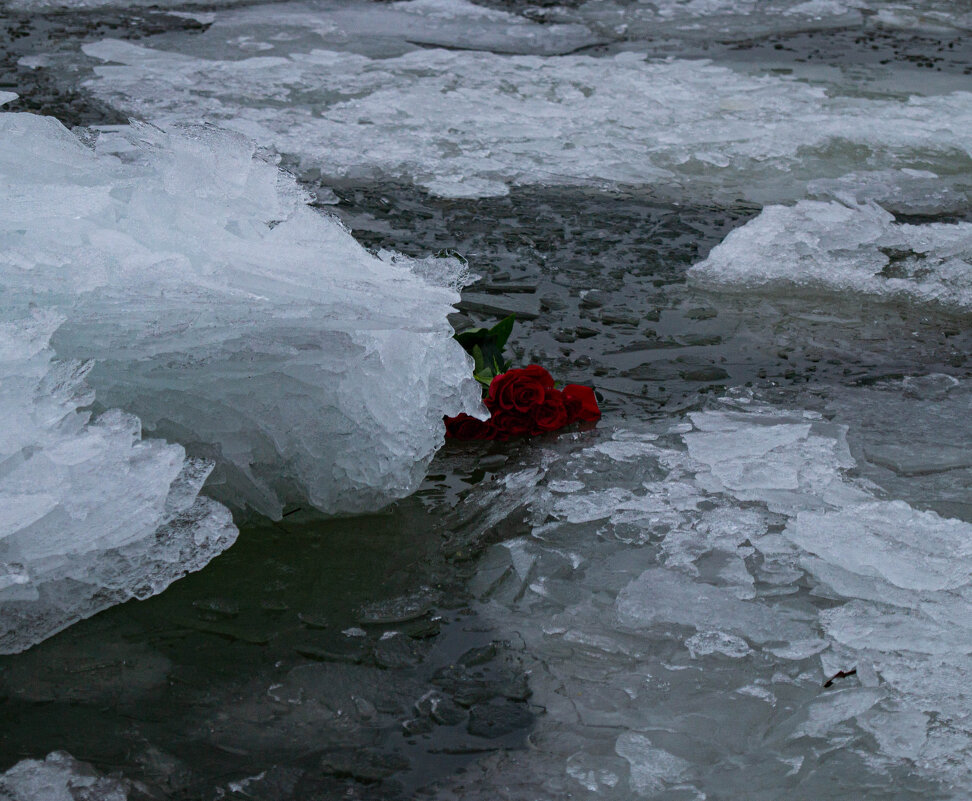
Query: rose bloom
{"points": [[519, 390], [581, 404], [552, 413], [466, 427], [509, 424]]}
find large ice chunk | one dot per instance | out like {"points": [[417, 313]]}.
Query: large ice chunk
{"points": [[228, 315], [838, 247], [91, 514], [470, 124]]}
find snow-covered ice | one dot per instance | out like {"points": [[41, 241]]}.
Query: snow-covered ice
{"points": [[228, 315], [471, 124]]}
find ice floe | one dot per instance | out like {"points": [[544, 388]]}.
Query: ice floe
{"points": [[228, 315], [383, 30], [840, 248], [749, 19]]}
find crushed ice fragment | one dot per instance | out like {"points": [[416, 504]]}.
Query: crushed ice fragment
{"points": [[717, 642], [651, 768], [91, 512], [59, 777]]}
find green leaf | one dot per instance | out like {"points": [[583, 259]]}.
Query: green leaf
{"points": [[485, 378], [478, 359], [486, 345], [500, 332], [471, 337]]}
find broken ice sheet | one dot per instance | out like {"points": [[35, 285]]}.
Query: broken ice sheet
{"points": [[891, 542], [663, 596], [835, 708], [651, 768], [658, 630]]}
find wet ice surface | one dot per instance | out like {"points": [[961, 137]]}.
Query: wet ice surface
{"points": [[309, 659], [318, 660], [687, 589], [648, 610]]}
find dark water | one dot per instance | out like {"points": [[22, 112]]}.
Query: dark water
{"points": [[336, 657]]}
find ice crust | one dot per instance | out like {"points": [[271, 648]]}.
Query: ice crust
{"points": [[741, 19], [839, 248], [384, 30], [228, 315], [683, 595], [91, 514], [471, 124], [614, 20]]}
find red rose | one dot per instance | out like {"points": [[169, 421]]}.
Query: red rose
{"points": [[552, 413], [581, 404], [466, 427], [519, 390], [509, 424]]}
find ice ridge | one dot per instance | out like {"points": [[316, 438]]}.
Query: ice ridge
{"points": [[228, 315]]}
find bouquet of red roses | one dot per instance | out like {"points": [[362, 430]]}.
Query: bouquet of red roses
{"points": [[522, 402]]}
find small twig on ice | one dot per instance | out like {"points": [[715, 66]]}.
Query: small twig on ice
{"points": [[840, 674]]}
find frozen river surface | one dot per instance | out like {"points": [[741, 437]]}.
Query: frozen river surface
{"points": [[228, 285]]}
